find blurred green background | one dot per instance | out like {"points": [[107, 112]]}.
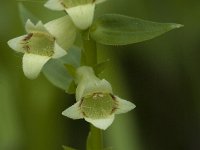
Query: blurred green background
{"points": [[161, 76]]}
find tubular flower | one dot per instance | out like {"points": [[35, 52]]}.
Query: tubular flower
{"points": [[96, 102], [43, 42], [80, 11]]}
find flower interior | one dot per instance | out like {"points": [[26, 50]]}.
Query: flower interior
{"points": [[39, 43], [98, 105]]}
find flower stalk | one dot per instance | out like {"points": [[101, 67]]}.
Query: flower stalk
{"points": [[96, 102], [95, 137], [90, 50]]}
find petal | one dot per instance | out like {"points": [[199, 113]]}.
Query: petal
{"points": [[63, 30], [40, 27], [82, 15], [94, 86], [123, 106], [16, 43], [88, 83], [89, 86], [58, 51], [85, 71], [29, 26], [32, 64], [54, 5], [79, 91], [73, 112], [99, 1], [101, 123]]}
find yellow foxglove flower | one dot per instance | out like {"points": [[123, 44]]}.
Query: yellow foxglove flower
{"points": [[43, 42], [96, 102]]}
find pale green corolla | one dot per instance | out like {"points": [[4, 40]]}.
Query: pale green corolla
{"points": [[43, 42], [96, 102], [80, 11]]}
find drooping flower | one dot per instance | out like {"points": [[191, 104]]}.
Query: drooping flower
{"points": [[96, 102], [43, 42], [80, 11]]}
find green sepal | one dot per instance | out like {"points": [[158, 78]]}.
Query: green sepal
{"points": [[25, 14], [68, 148], [72, 88], [71, 70], [100, 67], [55, 70], [113, 29]]}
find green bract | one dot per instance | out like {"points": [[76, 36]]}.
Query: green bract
{"points": [[43, 42], [95, 100], [113, 29], [56, 72], [80, 11]]}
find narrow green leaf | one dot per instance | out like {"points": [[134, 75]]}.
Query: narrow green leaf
{"points": [[99, 68], [113, 29], [68, 148], [55, 70], [25, 14]]}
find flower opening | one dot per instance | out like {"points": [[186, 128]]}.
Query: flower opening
{"points": [[96, 102], [43, 42]]}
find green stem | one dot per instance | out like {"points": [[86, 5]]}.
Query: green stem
{"points": [[89, 55], [95, 140], [90, 50]]}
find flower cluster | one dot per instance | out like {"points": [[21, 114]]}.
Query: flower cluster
{"points": [[45, 41], [96, 102]]}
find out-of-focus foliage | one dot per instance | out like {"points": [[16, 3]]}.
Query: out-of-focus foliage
{"points": [[56, 72], [161, 76]]}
